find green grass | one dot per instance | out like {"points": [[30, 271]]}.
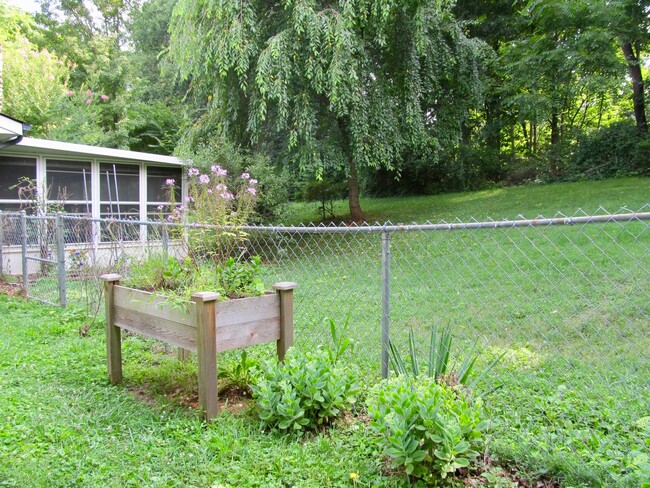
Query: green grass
{"points": [[499, 203], [63, 425], [569, 307]]}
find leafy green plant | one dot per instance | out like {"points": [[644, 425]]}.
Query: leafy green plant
{"points": [[427, 427], [309, 389], [239, 375], [240, 278], [178, 278], [438, 366]]}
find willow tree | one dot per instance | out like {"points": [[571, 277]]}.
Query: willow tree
{"points": [[349, 84]]}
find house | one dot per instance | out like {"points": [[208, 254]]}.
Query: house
{"points": [[42, 176], [80, 179]]}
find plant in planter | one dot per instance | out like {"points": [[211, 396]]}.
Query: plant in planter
{"points": [[173, 308]]}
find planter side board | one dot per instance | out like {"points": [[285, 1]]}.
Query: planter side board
{"points": [[239, 323], [247, 321], [149, 315]]}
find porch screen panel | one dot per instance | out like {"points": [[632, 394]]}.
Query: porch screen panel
{"points": [[13, 171], [69, 182]]}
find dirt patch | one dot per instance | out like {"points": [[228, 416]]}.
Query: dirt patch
{"points": [[496, 475], [142, 395], [232, 399], [10, 289]]}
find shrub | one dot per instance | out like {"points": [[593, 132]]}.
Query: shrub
{"points": [[427, 427], [308, 390], [616, 150]]}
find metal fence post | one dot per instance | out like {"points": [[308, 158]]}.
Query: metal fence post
{"points": [[23, 239], [385, 301], [60, 258], [2, 241]]}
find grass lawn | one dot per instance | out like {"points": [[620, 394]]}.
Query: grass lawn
{"points": [[63, 425]]}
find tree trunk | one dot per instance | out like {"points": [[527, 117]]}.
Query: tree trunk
{"points": [[634, 69], [555, 129], [353, 179], [353, 192]]}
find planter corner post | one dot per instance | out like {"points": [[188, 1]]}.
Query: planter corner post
{"points": [[206, 348], [285, 291], [113, 333]]}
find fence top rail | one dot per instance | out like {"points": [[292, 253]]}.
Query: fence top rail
{"points": [[388, 226], [492, 224]]}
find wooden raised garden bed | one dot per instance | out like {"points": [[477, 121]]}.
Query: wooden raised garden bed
{"points": [[207, 327]]}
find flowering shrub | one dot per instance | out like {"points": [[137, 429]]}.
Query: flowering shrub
{"points": [[78, 258], [218, 201]]}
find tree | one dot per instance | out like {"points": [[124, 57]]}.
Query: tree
{"points": [[34, 79], [339, 84], [560, 72], [631, 24]]}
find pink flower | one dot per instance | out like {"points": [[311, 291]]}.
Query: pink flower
{"points": [[69, 93], [251, 190], [89, 101], [189, 199], [193, 172], [218, 170], [245, 176], [160, 207], [170, 182], [204, 179], [104, 98], [89, 92], [253, 181], [210, 191], [221, 187], [227, 195]]}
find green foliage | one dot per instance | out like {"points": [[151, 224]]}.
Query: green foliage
{"points": [[241, 278], [617, 150], [305, 392], [324, 85], [437, 365], [34, 84], [310, 389], [240, 375], [430, 429], [179, 278]]}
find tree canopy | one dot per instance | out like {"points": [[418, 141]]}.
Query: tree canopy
{"points": [[331, 84], [384, 96]]}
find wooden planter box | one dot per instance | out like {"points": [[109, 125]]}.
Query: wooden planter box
{"points": [[208, 327]]}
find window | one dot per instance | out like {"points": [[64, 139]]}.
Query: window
{"points": [[12, 170], [119, 183], [69, 181], [157, 189]]}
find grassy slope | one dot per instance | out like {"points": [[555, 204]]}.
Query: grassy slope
{"points": [[500, 203]]}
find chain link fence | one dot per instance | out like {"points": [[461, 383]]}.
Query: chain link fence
{"points": [[564, 303]]}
